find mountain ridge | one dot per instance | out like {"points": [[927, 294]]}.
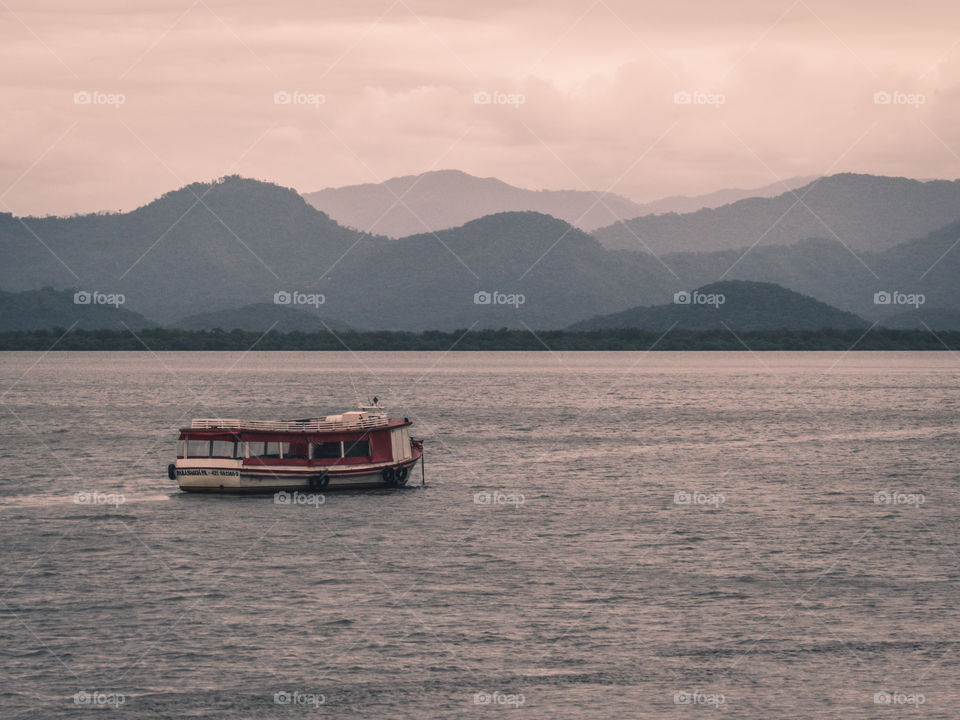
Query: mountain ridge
{"points": [[444, 199], [249, 241], [863, 211], [737, 305], [49, 308]]}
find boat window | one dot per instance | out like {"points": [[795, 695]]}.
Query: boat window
{"points": [[265, 449], [198, 448], [294, 450], [223, 449], [360, 448], [180, 444], [326, 450]]}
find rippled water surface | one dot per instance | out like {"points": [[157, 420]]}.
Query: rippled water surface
{"points": [[601, 535]]}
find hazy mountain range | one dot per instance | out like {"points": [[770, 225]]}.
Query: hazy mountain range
{"points": [[219, 254], [731, 304], [47, 308], [444, 199], [204, 247], [692, 203], [861, 211]]}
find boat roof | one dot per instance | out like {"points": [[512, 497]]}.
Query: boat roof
{"points": [[353, 420]]}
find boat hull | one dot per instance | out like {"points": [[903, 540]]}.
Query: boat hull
{"points": [[245, 480]]}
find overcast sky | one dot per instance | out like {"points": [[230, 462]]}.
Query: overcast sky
{"points": [[107, 104]]}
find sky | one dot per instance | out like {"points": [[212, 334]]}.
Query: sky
{"points": [[108, 104]]}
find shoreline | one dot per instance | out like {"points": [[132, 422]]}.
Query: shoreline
{"points": [[160, 340]]}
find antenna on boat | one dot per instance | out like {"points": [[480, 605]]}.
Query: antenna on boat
{"points": [[356, 395]]}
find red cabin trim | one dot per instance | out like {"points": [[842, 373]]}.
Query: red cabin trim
{"points": [[379, 439]]}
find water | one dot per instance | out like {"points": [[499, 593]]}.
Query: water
{"points": [[587, 587]]}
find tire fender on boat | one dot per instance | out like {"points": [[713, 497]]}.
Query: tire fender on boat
{"points": [[389, 477], [401, 474], [172, 471]]}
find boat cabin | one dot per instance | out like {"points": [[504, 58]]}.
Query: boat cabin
{"points": [[349, 439]]}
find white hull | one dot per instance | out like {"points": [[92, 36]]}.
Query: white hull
{"points": [[229, 477]]}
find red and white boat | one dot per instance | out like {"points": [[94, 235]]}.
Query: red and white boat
{"points": [[363, 448]]}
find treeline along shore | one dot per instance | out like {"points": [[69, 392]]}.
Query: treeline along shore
{"points": [[164, 339]]}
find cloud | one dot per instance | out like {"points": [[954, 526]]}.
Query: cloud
{"points": [[399, 84]]}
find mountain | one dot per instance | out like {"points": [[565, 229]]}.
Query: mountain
{"points": [[831, 272], [511, 269], [227, 257], [735, 304], [444, 199], [49, 308], [692, 203], [261, 317], [235, 242], [862, 211], [206, 246]]}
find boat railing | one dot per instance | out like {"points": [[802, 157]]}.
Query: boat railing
{"points": [[310, 425]]}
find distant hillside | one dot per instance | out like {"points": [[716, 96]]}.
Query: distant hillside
{"points": [[692, 203], [262, 317], [444, 199], [864, 211], [49, 308], [924, 318], [249, 240], [737, 304], [432, 281], [240, 242], [830, 272]]}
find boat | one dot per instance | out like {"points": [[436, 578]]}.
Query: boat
{"points": [[362, 448]]}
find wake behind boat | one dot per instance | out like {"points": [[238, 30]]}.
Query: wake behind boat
{"points": [[362, 448]]}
